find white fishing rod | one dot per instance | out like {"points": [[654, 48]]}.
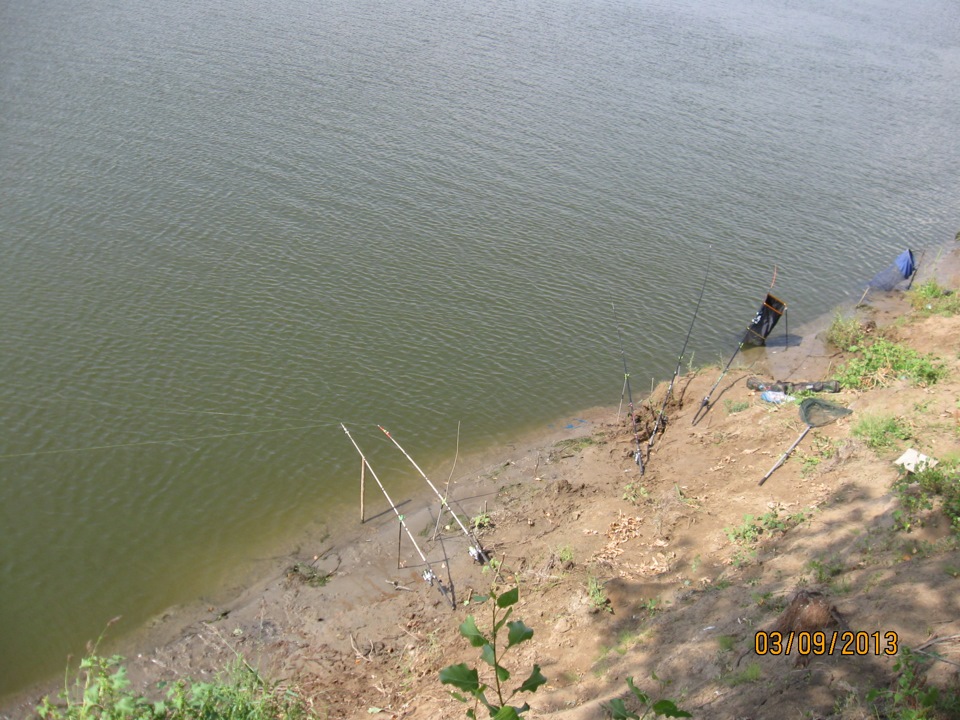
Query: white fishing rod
{"points": [[428, 575], [476, 550]]}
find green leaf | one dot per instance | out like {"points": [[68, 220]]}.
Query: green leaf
{"points": [[479, 599], [641, 696], [125, 706], [667, 708], [507, 713], [618, 711], [518, 633], [501, 621], [535, 680], [510, 597], [488, 655], [462, 677], [468, 628]]}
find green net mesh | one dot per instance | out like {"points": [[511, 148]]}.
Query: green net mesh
{"points": [[816, 412]]}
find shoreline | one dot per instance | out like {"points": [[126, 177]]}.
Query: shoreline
{"points": [[199, 638]]}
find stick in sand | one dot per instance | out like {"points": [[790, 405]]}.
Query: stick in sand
{"points": [[476, 550], [446, 490], [428, 575]]}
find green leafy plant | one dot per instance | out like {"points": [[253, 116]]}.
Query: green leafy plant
{"points": [[101, 690], [912, 698], [920, 491], [617, 709], [598, 596], [492, 652], [633, 493], [844, 333], [481, 521], [825, 571], [882, 362]]}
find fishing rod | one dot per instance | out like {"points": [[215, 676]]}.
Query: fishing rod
{"points": [[638, 453], [916, 269], [761, 326], [676, 372], [428, 575], [476, 549]]}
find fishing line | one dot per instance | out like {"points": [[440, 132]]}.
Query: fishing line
{"points": [[683, 350], [170, 441], [638, 453]]}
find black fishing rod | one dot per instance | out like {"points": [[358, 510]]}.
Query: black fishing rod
{"points": [[756, 334], [638, 453], [683, 350]]}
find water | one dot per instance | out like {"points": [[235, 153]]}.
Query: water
{"points": [[226, 227]]}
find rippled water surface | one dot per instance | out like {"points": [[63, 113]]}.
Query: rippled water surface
{"points": [[227, 226]]}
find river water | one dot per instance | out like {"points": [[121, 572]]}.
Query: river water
{"points": [[227, 226]]}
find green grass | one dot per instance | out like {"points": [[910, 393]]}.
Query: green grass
{"points": [[881, 432], [101, 689], [921, 491], [751, 673], [598, 596], [844, 333], [930, 298], [881, 362], [735, 406]]}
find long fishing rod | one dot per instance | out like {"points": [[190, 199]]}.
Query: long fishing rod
{"points": [[705, 403], [683, 350], [638, 453], [476, 549], [428, 575]]}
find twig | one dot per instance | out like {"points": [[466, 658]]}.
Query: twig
{"points": [[446, 490], [360, 655], [935, 641]]}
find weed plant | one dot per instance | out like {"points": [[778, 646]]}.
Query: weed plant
{"points": [[912, 698], [930, 298], [882, 362], [598, 596], [918, 492], [845, 333], [492, 652], [617, 709], [881, 432], [101, 690]]}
